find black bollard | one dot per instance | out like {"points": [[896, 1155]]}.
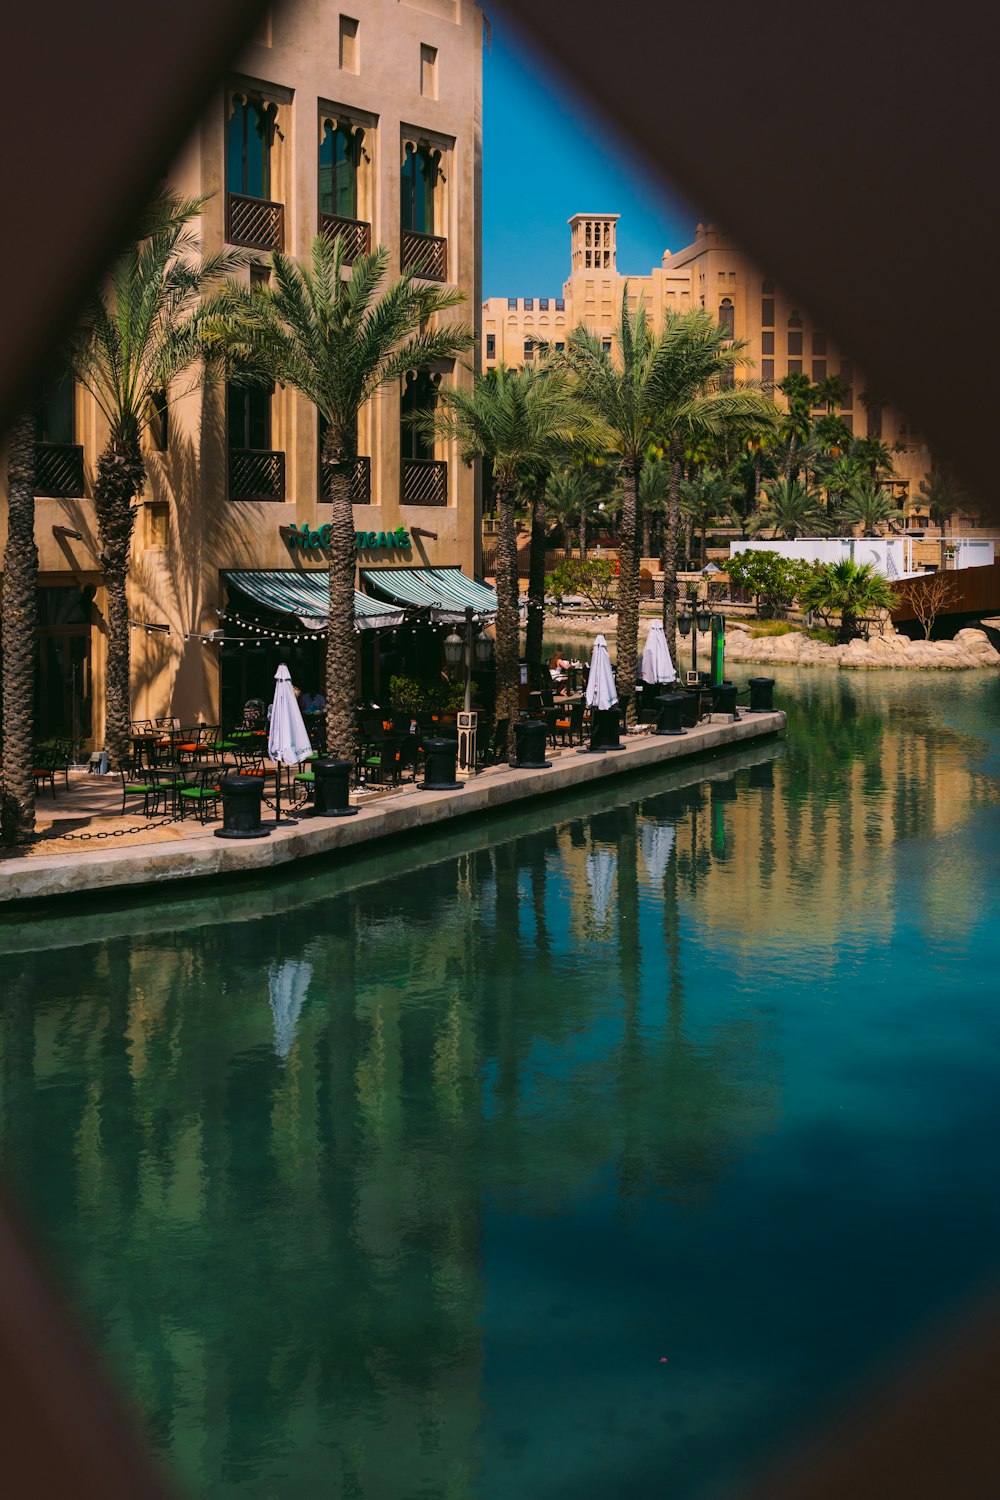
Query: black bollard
{"points": [[440, 756], [724, 699], [241, 797], [530, 735], [604, 727], [668, 717], [332, 789], [762, 695], [690, 704]]}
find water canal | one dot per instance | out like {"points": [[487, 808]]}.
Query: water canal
{"points": [[404, 1180]]}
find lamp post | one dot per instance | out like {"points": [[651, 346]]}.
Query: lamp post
{"points": [[457, 651]]}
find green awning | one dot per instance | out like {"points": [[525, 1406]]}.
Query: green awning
{"points": [[306, 595], [446, 592]]}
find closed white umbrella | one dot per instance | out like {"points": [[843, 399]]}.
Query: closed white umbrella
{"points": [[656, 663], [601, 692], [288, 742]]}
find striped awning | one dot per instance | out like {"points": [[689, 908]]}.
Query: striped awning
{"points": [[446, 592], [306, 595]]}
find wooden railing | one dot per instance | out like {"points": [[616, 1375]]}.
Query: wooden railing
{"points": [[425, 481], [255, 222], [256, 474], [361, 481], [425, 255], [59, 470], [354, 234]]}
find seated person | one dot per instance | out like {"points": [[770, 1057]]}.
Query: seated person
{"points": [[312, 703]]}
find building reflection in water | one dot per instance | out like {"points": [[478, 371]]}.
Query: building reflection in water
{"points": [[261, 1151]]}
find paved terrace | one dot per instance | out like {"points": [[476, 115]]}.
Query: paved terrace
{"points": [[135, 851]]}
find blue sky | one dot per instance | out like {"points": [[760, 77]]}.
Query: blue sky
{"points": [[546, 157]]}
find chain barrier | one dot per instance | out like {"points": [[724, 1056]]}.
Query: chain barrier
{"points": [[117, 833]]}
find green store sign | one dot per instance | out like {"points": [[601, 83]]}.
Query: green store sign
{"points": [[304, 539]]}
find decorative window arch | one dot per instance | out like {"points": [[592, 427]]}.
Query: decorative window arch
{"points": [[341, 150], [727, 317], [418, 180], [418, 398], [250, 131]]}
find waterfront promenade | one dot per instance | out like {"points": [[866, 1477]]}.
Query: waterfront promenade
{"points": [[115, 867]]}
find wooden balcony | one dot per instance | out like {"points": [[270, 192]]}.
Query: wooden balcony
{"points": [[361, 482], [425, 481], [256, 474], [59, 470], [255, 222], [425, 255], [354, 235]]}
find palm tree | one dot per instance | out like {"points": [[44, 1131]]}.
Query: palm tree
{"points": [[854, 590], [868, 506], [137, 340], [831, 392], [521, 422], [942, 494], [654, 497], [796, 422], [792, 510], [336, 340], [839, 474], [569, 494], [657, 389], [19, 635], [704, 500], [874, 455]]}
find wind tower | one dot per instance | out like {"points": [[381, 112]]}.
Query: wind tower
{"points": [[594, 242]]}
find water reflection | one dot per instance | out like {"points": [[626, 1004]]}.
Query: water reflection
{"points": [[285, 1163]]}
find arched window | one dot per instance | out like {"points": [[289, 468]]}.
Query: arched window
{"points": [[249, 137], [727, 318], [417, 180], [419, 398], [339, 158], [794, 336]]}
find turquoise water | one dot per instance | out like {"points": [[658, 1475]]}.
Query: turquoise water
{"points": [[594, 1152]]}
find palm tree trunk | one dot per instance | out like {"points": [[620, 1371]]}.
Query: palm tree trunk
{"points": [[647, 534], [789, 458], [121, 475], [341, 638], [508, 624], [20, 636], [536, 585], [583, 533], [668, 561], [702, 545], [628, 589]]}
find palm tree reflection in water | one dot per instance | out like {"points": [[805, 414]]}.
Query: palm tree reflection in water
{"points": [[271, 1156]]}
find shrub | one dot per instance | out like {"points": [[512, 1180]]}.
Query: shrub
{"points": [[594, 579], [769, 627]]}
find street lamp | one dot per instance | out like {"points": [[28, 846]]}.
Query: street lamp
{"points": [[483, 649], [453, 644]]}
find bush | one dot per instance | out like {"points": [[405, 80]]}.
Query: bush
{"points": [[594, 579], [773, 580], [822, 633]]}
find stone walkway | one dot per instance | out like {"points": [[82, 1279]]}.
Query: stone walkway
{"points": [[62, 864]]}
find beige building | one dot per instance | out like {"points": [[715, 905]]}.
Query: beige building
{"points": [[365, 125], [711, 272]]}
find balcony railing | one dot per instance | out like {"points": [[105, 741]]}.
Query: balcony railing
{"points": [[256, 474], [361, 482], [59, 470], [255, 222], [354, 234], [425, 255], [425, 481]]}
